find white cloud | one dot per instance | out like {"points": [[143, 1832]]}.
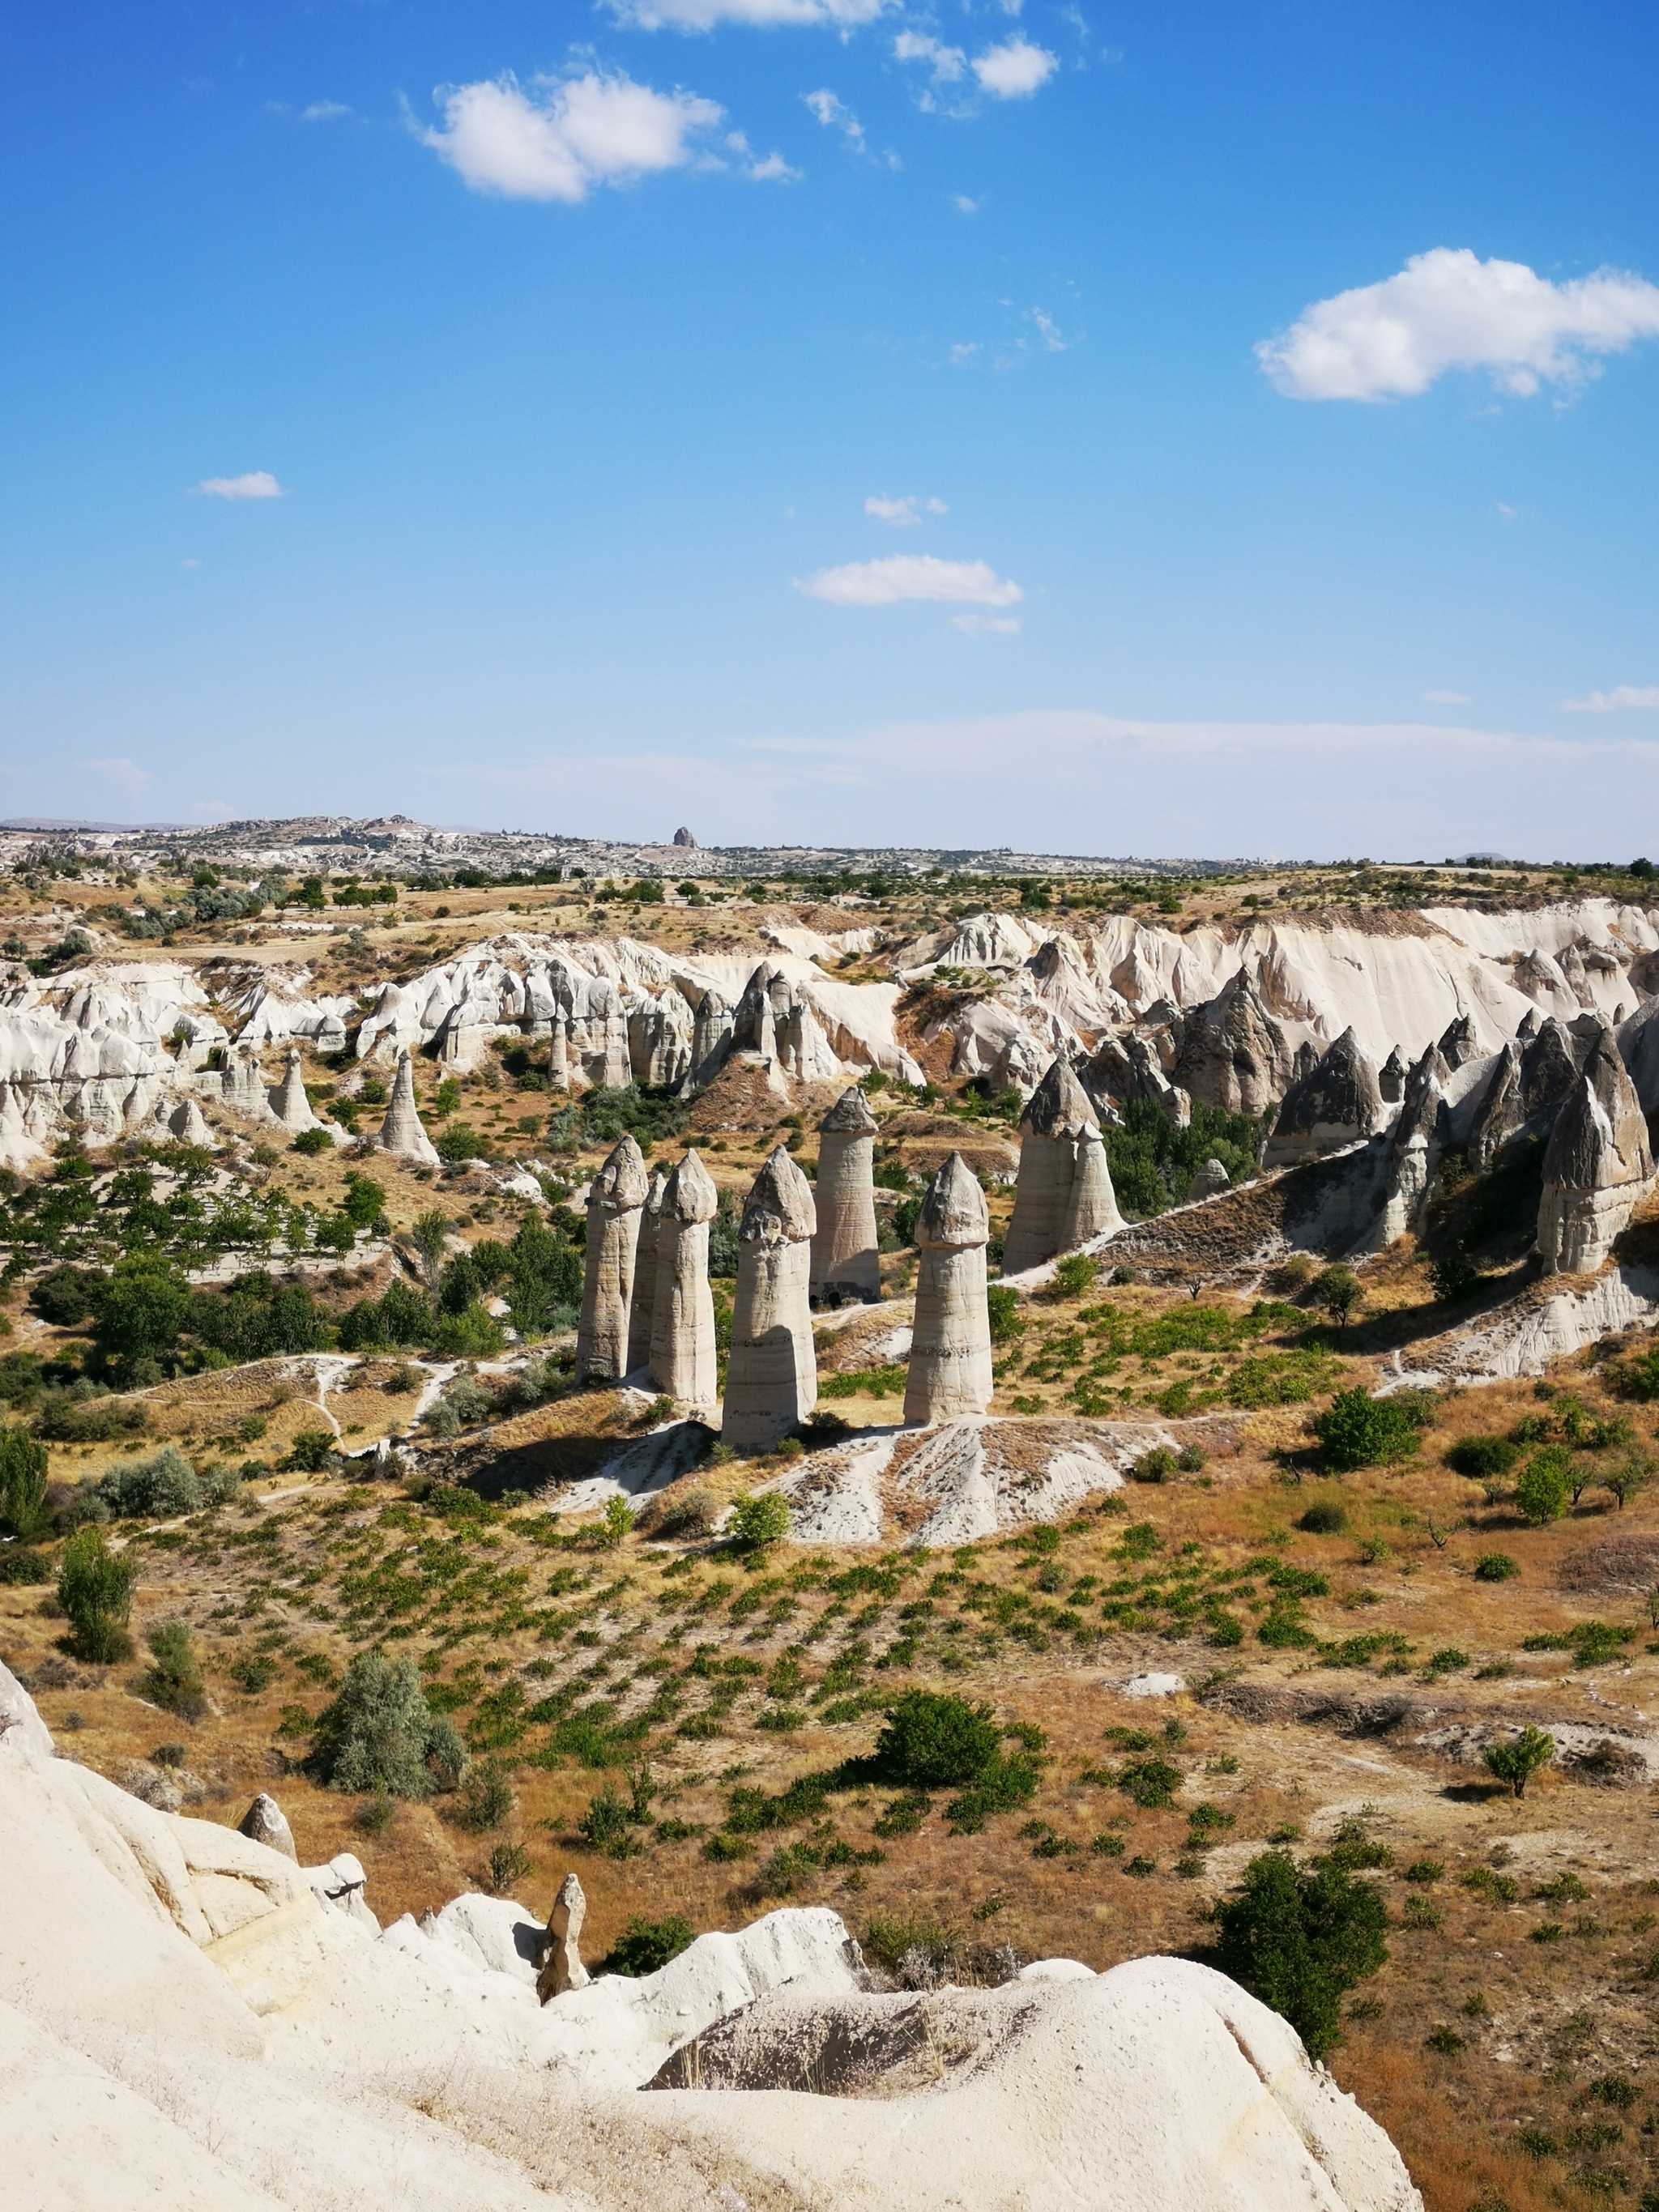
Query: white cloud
{"points": [[1448, 310], [963, 205], [902, 513], [1447, 699], [323, 111], [259, 483], [190, 563], [963, 351], [126, 775], [1645, 696], [562, 136], [987, 625], [1049, 331], [1014, 70], [947, 63], [836, 115], [912, 576], [704, 15], [774, 170]]}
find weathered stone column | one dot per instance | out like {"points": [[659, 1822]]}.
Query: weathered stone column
{"points": [[615, 1199], [563, 1968], [845, 1255], [289, 1102], [641, 1303], [683, 1359], [401, 1133], [1057, 1114], [558, 1054], [951, 1347], [1598, 1166], [1091, 1209], [772, 1381]]}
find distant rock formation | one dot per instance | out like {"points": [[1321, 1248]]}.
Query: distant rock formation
{"points": [[1391, 1078], [289, 1102], [1458, 1041], [711, 1040], [846, 1259], [775, 1018], [1532, 1081], [401, 1133], [1597, 1167], [682, 1354], [686, 841], [1231, 1053], [771, 1378], [1208, 1180], [1414, 1150], [641, 1304], [1127, 1068], [616, 1201], [950, 1372], [1335, 1104], [1064, 1195]]}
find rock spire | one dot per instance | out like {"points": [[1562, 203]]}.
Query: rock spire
{"points": [[771, 1381], [846, 1260], [1335, 1104], [641, 1302], [615, 1201], [1597, 1167], [289, 1102], [682, 1355], [950, 1347], [1064, 1195], [401, 1133]]}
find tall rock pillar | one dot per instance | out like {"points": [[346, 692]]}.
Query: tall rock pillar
{"points": [[401, 1133], [615, 1200], [683, 1359], [1056, 1130], [1597, 1167], [845, 1255], [951, 1347], [641, 1306], [771, 1381]]}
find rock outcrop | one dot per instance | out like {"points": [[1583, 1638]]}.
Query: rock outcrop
{"points": [[1336, 1104], [1209, 1181], [606, 1062], [950, 1372], [1231, 1053], [1598, 1166], [401, 1133], [615, 1202], [775, 1019], [771, 1378], [683, 1353], [563, 1968], [1532, 1081], [1391, 1078], [1414, 1150], [846, 1259], [711, 1040], [1064, 1195], [289, 1102], [641, 1308], [1459, 1043], [1127, 1068], [265, 1822]]}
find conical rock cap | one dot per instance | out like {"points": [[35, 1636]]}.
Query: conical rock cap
{"points": [[622, 1183], [691, 1195], [954, 1212], [850, 1115], [779, 1209], [1058, 1106]]}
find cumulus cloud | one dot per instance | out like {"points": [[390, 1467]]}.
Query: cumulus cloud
{"points": [[1015, 69], [559, 138], [259, 483], [704, 15], [912, 576], [947, 63], [1616, 701], [774, 170], [1446, 309], [902, 513]]}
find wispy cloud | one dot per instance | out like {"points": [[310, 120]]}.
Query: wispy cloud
{"points": [[1644, 697], [259, 483], [126, 775], [1448, 310], [829, 109], [704, 15], [1447, 699], [773, 170], [1015, 69], [559, 138], [323, 111], [987, 625], [901, 514], [912, 576]]}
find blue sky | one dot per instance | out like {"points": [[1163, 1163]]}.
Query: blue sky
{"points": [[1130, 428]]}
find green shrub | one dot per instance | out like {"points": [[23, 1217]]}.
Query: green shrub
{"points": [[94, 1588], [934, 1741], [1483, 1458], [486, 1797], [458, 1142], [757, 1522], [1495, 1567], [1007, 1320], [173, 1678], [1155, 1465], [20, 1566], [1357, 1430], [1324, 1518], [23, 1475], [1544, 1486], [310, 1451], [473, 1333], [1152, 1783], [1454, 1276], [312, 1142], [161, 1488], [1299, 1941], [379, 1734], [1341, 1293], [1075, 1274], [646, 1946], [1516, 1761], [1637, 1377]]}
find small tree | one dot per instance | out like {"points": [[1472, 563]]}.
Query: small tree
{"points": [[1300, 1940], [616, 1523], [1341, 1293], [1357, 1430], [1626, 1478], [644, 1946], [428, 1236], [23, 1470], [173, 1678], [1544, 1486], [757, 1522], [1516, 1762], [379, 1735], [94, 1588], [933, 1741]]}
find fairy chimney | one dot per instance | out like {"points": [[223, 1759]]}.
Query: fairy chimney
{"points": [[771, 1381], [951, 1345], [615, 1201], [846, 1261], [683, 1357]]}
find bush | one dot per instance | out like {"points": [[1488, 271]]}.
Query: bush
{"points": [[1514, 1762], [1453, 1277], [173, 1678], [646, 1946], [1357, 1430], [486, 1797], [1495, 1567], [1152, 1783], [161, 1488], [1155, 1465], [458, 1142], [1483, 1458], [757, 1522], [1544, 1486], [24, 1476], [313, 1142], [1075, 1274], [94, 1588], [1007, 1320], [379, 1734], [471, 1334], [1327, 1518], [932, 1741], [144, 1305], [1341, 1293], [65, 1296], [310, 1451], [1299, 1941]]}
